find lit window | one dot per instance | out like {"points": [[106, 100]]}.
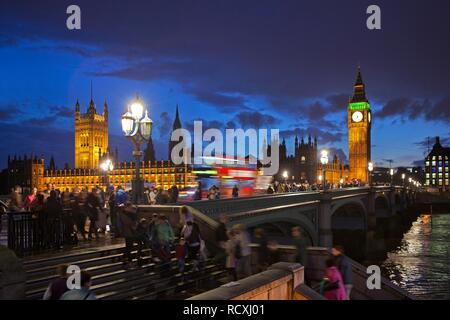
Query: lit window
{"points": [[427, 182], [433, 163], [440, 157], [427, 175], [427, 163], [440, 169], [440, 181], [434, 175], [434, 157]]}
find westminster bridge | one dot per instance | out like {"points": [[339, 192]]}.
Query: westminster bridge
{"points": [[321, 214]]}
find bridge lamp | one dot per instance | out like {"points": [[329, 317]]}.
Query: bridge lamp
{"points": [[370, 168], [107, 166], [324, 162], [137, 126]]}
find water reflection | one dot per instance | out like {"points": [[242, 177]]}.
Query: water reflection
{"points": [[421, 263]]}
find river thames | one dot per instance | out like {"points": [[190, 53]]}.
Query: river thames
{"points": [[421, 263]]}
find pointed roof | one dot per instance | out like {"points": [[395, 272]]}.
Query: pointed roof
{"points": [[359, 91], [176, 122]]}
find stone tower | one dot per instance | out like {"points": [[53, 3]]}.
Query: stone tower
{"points": [[91, 135], [359, 127]]}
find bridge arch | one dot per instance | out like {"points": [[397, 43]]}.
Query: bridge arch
{"points": [[382, 206], [348, 227], [282, 221]]}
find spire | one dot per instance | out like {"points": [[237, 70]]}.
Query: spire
{"points": [[177, 122], [91, 109], [359, 91], [105, 110], [77, 106]]}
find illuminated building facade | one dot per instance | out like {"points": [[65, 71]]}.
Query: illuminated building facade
{"points": [[359, 132], [91, 148], [91, 136], [437, 167], [161, 174]]}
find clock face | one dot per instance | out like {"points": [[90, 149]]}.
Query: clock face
{"points": [[357, 116]]}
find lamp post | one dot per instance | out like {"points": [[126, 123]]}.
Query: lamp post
{"points": [[370, 168], [403, 179], [107, 166], [324, 162], [410, 179], [391, 172], [137, 126]]}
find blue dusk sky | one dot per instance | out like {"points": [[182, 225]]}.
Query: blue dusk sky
{"points": [[287, 65]]}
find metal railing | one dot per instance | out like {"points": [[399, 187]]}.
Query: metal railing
{"points": [[28, 233]]}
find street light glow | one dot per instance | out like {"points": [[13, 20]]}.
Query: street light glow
{"points": [[391, 172], [370, 166], [324, 157], [285, 174], [137, 109]]}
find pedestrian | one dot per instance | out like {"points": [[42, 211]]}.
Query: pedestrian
{"points": [[300, 243], [58, 286], [92, 207], [174, 194], [345, 268], [29, 199], [142, 239], [191, 233], [235, 191], [242, 252], [262, 249], [221, 239], [163, 233], [152, 196], [54, 211], [15, 199], [273, 253], [128, 221], [332, 285], [180, 254], [84, 292], [230, 249], [112, 210]]}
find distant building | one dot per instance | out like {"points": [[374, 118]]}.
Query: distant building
{"points": [[26, 172], [437, 167], [91, 148]]}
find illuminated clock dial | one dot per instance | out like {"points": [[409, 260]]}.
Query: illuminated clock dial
{"points": [[357, 116]]}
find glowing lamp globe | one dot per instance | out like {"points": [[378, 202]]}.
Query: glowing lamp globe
{"points": [[127, 123], [137, 109], [146, 126]]}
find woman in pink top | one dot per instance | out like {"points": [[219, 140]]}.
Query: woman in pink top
{"points": [[334, 289]]}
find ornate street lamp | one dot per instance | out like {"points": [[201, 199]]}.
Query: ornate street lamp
{"points": [[324, 162], [137, 126], [403, 179], [391, 172], [370, 168], [107, 166]]}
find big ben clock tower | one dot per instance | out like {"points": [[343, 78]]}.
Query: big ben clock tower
{"points": [[359, 126]]}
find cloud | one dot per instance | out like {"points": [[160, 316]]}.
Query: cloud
{"points": [[220, 100], [411, 109], [8, 111], [63, 112], [164, 125], [255, 119]]}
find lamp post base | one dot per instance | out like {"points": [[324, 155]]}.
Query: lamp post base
{"points": [[137, 187]]}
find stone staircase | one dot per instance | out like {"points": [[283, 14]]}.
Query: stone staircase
{"points": [[112, 281]]}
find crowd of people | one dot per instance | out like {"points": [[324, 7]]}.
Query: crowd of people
{"points": [[282, 187], [157, 238]]}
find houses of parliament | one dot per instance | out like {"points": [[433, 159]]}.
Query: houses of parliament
{"points": [[91, 148]]}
